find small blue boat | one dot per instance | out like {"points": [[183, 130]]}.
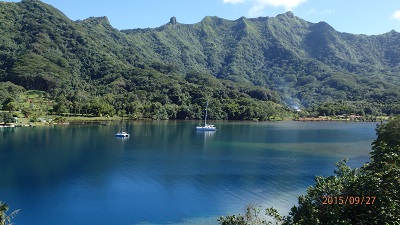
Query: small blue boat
{"points": [[122, 134]]}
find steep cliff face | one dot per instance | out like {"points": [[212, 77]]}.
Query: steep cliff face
{"points": [[42, 49], [245, 47]]}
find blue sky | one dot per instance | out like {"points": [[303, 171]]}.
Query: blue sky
{"points": [[351, 16]]}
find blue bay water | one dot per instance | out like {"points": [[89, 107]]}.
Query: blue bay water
{"points": [[166, 172]]}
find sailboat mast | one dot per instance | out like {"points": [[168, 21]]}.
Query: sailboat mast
{"points": [[205, 118]]}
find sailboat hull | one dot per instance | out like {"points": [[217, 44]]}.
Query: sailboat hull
{"points": [[122, 134], [206, 128]]}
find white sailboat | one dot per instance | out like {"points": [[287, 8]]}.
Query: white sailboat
{"points": [[206, 127], [122, 134]]}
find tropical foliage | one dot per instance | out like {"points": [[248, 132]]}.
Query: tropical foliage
{"points": [[4, 218]]}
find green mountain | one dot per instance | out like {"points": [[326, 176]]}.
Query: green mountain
{"points": [[248, 68], [305, 62]]}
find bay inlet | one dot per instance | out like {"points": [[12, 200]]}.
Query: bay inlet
{"points": [[167, 172]]}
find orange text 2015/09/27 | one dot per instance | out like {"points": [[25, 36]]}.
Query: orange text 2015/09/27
{"points": [[351, 200]]}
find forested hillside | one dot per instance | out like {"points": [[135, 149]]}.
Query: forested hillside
{"points": [[247, 68]]}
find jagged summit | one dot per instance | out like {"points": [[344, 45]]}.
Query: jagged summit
{"points": [[290, 14], [173, 20], [98, 20]]}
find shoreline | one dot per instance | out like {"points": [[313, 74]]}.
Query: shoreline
{"points": [[105, 121]]}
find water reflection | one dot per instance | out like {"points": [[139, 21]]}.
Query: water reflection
{"points": [[208, 135], [43, 156], [122, 138], [167, 172]]}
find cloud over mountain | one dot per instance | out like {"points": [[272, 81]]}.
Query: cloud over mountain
{"points": [[396, 15], [259, 5]]}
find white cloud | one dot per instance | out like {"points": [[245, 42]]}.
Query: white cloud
{"points": [[259, 5], [256, 10], [234, 1], [287, 4], [396, 15], [312, 11], [321, 12]]}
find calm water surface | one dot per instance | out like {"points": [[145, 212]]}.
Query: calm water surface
{"points": [[166, 172]]}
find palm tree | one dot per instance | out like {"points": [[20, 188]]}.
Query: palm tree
{"points": [[4, 218]]}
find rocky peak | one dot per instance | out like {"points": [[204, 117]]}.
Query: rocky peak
{"points": [[172, 20]]}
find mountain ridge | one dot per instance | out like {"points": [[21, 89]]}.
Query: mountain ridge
{"points": [[308, 64], [305, 37]]}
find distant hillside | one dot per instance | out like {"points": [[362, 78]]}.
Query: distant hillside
{"points": [[170, 71], [301, 60]]}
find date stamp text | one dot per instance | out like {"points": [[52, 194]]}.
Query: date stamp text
{"points": [[348, 200]]}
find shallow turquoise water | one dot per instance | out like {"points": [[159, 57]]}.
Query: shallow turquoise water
{"points": [[166, 172]]}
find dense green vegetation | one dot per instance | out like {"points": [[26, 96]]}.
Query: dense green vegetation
{"points": [[89, 68], [5, 218], [247, 68], [307, 64], [368, 195]]}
